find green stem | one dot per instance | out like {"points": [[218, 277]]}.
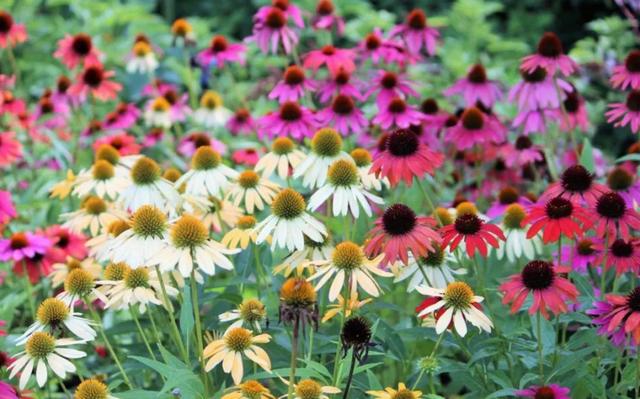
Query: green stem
{"points": [[603, 270], [431, 355], [14, 65], [134, 315], [198, 327], [174, 326], [29, 288], [338, 365], [540, 358], [427, 198], [294, 358]]}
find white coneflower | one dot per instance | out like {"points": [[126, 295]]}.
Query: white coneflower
{"points": [[310, 389], [138, 287], [60, 271], [301, 260], [326, 147], [242, 234], [149, 188], [289, 223], [517, 245], [435, 267], [94, 215], [282, 157], [188, 245], [122, 163], [220, 213], [208, 175], [212, 112], [158, 113], [348, 264], [344, 187], [102, 179], [142, 59], [250, 312], [52, 315], [369, 180], [99, 245], [92, 389], [80, 284], [41, 352], [252, 191]]}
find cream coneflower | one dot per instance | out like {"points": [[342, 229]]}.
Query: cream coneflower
{"points": [[188, 245], [326, 147], [289, 223], [113, 273], [102, 179], [92, 389], [62, 189], [43, 351], [250, 312], [99, 246], [348, 264], [53, 315], [138, 287], [301, 260], [435, 269], [212, 112], [253, 191], [352, 305], [182, 29], [242, 234], [250, 389], [142, 58], [61, 270], [80, 284], [369, 180], [229, 350], [310, 389], [343, 186], [94, 215], [149, 188], [208, 175], [283, 157], [220, 213], [517, 245], [401, 393], [158, 113]]}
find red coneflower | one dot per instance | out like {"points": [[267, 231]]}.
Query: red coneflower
{"points": [[474, 232], [624, 255], [576, 183], [555, 217], [94, 80], [73, 50], [613, 217]]}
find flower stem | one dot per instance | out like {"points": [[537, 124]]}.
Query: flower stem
{"points": [[29, 288], [603, 270], [198, 327], [351, 369], [427, 198], [174, 326], [337, 365], [134, 315], [294, 356], [540, 358]]}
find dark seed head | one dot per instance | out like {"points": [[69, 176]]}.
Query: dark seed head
{"points": [[294, 75], [325, 7], [417, 19], [633, 299], [572, 102], [558, 208], [389, 80], [372, 41], [275, 18], [550, 45], [468, 224], [544, 393], [429, 106], [611, 205], [6, 22], [538, 275], [523, 143], [619, 179], [472, 119], [585, 247], [535, 76], [508, 195], [633, 100], [632, 62], [621, 248], [81, 44], [398, 219], [576, 179], [342, 104], [93, 76], [477, 74], [219, 43], [290, 111], [356, 331], [397, 106], [402, 143]]}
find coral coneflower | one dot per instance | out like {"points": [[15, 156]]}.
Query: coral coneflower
{"points": [[617, 317], [627, 75], [335, 59], [555, 217], [7, 208], [474, 232], [623, 255], [613, 218], [77, 49], [10, 148], [94, 80], [576, 184], [550, 56], [11, 33]]}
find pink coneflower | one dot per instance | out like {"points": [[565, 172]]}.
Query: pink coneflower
{"points": [[476, 87], [341, 83], [576, 184], [241, 122], [221, 51], [619, 317], [416, 33], [582, 253], [7, 391], [623, 182], [290, 10], [74, 50], [553, 391], [326, 18], [474, 232], [626, 113], [291, 120], [124, 117], [7, 209], [555, 217], [292, 86], [536, 121], [61, 92], [153, 137], [12, 105], [11, 33], [543, 280], [23, 245], [343, 115], [576, 113], [51, 114], [179, 104], [246, 156], [398, 232], [613, 218], [270, 29], [627, 74], [376, 48], [389, 85], [404, 157], [522, 152], [10, 148], [123, 142], [475, 127], [623, 255], [506, 197], [157, 87], [64, 243], [397, 113], [190, 143], [549, 56], [434, 118], [537, 90], [94, 80], [335, 59]]}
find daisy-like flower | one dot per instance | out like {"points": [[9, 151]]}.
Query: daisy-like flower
{"points": [[476, 88], [10, 148], [149, 188], [243, 234], [397, 113], [292, 86], [624, 255], [613, 218], [376, 48], [282, 158], [102, 179], [352, 305], [582, 253], [548, 288], [182, 29], [142, 59], [617, 317], [453, 306], [345, 190], [521, 153], [369, 180], [158, 113], [349, 265], [576, 112], [53, 315], [416, 33], [432, 270], [627, 75], [80, 284], [92, 389], [23, 245], [221, 51], [188, 245], [340, 83], [100, 246], [42, 351], [212, 112], [517, 243], [343, 115], [326, 147], [576, 184], [251, 312], [94, 215], [405, 157], [241, 122], [326, 17], [252, 191], [474, 232], [250, 389], [553, 391], [401, 393], [61, 270], [208, 175], [387, 85], [301, 260], [475, 128], [94, 80], [310, 389], [537, 90], [270, 29], [11, 33], [288, 223], [7, 208], [557, 216], [291, 119], [138, 286], [77, 49], [335, 59], [65, 243], [62, 189], [214, 212], [229, 351], [549, 56], [507, 196], [626, 113]]}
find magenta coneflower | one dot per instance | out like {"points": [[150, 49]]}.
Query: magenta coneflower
{"points": [[536, 121], [343, 115], [576, 112], [270, 29], [619, 317], [190, 143], [474, 232], [537, 90], [336, 59], [626, 113], [326, 17], [292, 86], [124, 117], [506, 197], [623, 182], [613, 218], [94, 80], [549, 56], [543, 280], [389, 85], [11, 33], [376, 48], [246, 156], [51, 114], [340, 83], [476, 87], [522, 152], [23, 245], [555, 217], [241, 122], [398, 232], [221, 51], [577, 184], [434, 119], [397, 113], [475, 127], [627, 74], [74, 50], [7, 209], [553, 391], [623, 255], [416, 33], [290, 10], [582, 253], [405, 157], [291, 120], [10, 148]]}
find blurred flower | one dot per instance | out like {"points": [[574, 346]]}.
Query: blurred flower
{"points": [[627, 113], [221, 51], [102, 179], [76, 50], [335, 59], [291, 119], [11, 33], [182, 29], [124, 143], [549, 56], [250, 389], [340, 83], [142, 58], [7, 208], [23, 245], [10, 148], [270, 29], [61, 270], [241, 122], [475, 128], [627, 75], [390, 393], [553, 391], [537, 90], [301, 260], [326, 18], [293, 85], [376, 48], [476, 87], [583, 253], [416, 33], [94, 80], [212, 112], [343, 115], [397, 113], [369, 180], [576, 112]]}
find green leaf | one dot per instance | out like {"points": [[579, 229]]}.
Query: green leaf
{"points": [[586, 156], [177, 375], [141, 394], [186, 314]]}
